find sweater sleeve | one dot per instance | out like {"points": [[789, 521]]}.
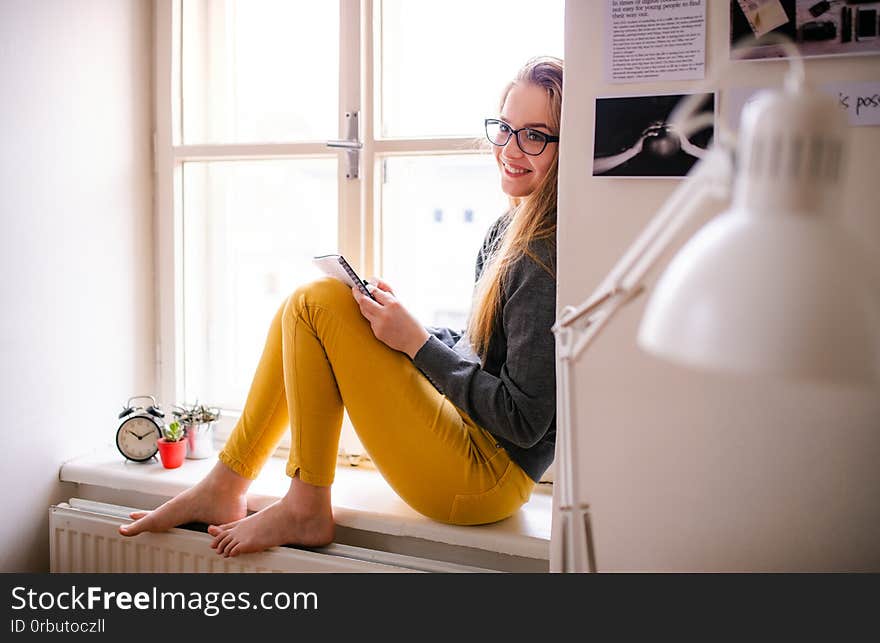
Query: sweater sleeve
{"points": [[519, 403], [448, 336]]}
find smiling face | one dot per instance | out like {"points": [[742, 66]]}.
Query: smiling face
{"points": [[526, 105]]}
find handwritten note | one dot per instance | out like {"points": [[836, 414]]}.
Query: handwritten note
{"points": [[860, 101]]}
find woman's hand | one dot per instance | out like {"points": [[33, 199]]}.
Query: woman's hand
{"points": [[391, 322]]}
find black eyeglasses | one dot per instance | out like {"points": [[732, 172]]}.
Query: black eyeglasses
{"points": [[530, 141]]}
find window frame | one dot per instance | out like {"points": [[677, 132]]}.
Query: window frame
{"points": [[360, 200]]}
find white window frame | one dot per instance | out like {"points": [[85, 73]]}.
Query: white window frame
{"points": [[360, 207]]}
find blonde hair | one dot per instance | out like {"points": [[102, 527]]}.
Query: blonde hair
{"points": [[531, 218]]}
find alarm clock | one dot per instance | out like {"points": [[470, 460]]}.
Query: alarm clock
{"points": [[137, 437]]}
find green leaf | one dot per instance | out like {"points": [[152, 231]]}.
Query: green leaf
{"points": [[174, 432]]}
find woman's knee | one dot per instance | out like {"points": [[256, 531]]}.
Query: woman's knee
{"points": [[325, 292]]}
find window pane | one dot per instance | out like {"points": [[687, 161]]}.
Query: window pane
{"points": [[436, 211], [444, 64], [251, 229], [259, 70]]}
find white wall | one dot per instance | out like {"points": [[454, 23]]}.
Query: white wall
{"points": [[75, 244], [687, 471]]}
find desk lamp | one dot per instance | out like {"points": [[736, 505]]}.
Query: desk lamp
{"points": [[773, 285]]}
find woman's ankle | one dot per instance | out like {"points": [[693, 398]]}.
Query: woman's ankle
{"points": [[224, 479], [305, 497]]}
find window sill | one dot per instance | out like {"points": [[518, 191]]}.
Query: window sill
{"points": [[362, 500]]}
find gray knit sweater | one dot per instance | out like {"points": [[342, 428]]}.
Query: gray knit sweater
{"points": [[512, 395]]}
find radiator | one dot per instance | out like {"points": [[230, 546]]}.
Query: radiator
{"points": [[83, 537]]}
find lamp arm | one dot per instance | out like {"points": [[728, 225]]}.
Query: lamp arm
{"points": [[710, 177]]}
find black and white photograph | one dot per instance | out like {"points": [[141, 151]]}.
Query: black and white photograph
{"points": [[635, 138], [816, 27]]}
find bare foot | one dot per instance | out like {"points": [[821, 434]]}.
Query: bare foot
{"points": [[217, 498], [278, 524]]}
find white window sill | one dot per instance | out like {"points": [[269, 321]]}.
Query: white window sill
{"points": [[362, 500]]}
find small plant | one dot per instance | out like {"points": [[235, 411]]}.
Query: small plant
{"points": [[195, 414], [174, 432]]}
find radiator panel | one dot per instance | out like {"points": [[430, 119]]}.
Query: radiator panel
{"points": [[82, 541], [84, 538]]}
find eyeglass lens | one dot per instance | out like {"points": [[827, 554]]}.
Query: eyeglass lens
{"points": [[530, 141]]}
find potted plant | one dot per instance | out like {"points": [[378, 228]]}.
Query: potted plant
{"points": [[198, 423], [172, 446]]}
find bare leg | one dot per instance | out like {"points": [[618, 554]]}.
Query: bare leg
{"points": [[302, 517], [219, 497]]}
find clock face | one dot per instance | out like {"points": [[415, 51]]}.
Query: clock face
{"points": [[137, 438]]}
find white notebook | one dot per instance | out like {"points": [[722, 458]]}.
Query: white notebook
{"points": [[336, 266]]}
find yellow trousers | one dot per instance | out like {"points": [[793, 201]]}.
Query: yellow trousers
{"points": [[321, 356]]}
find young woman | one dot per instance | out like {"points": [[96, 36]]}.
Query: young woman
{"points": [[460, 424]]}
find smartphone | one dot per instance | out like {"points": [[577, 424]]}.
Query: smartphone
{"points": [[866, 24], [336, 266], [360, 283]]}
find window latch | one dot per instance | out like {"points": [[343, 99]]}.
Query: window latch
{"points": [[351, 145]]}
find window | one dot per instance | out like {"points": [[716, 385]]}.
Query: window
{"points": [[249, 92]]}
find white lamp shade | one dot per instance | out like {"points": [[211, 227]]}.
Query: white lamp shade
{"points": [[781, 294]]}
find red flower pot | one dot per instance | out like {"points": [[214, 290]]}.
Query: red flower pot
{"points": [[172, 453]]}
